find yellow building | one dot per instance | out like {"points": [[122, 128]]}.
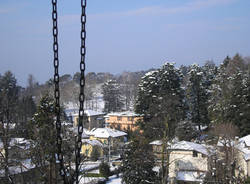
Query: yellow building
{"points": [[95, 118], [88, 145], [122, 120], [102, 138]]}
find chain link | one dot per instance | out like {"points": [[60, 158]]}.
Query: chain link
{"points": [[82, 85], [57, 91], [81, 96]]}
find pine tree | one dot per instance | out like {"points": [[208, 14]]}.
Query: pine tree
{"points": [[43, 133], [112, 96], [104, 170], [197, 97], [230, 100], [220, 94], [8, 114], [138, 162], [26, 108], [160, 99]]}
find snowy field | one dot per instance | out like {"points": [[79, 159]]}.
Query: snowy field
{"points": [[114, 180]]}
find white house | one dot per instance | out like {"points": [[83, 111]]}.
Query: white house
{"points": [[188, 161]]}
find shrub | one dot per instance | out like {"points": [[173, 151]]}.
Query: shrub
{"points": [[95, 154], [104, 170]]}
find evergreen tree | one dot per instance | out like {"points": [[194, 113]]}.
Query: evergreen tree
{"points": [[104, 170], [112, 96], [230, 100], [186, 130], [197, 97], [26, 108], [220, 98], [160, 99], [8, 115], [138, 162], [43, 133], [95, 154]]}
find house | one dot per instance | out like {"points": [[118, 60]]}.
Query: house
{"points": [[106, 134], [95, 118], [18, 148], [88, 146], [122, 120], [188, 161], [243, 145], [102, 138], [240, 148]]}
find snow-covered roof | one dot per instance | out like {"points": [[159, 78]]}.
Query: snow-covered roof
{"points": [[225, 142], [184, 145], [85, 133], [190, 146], [11, 125], [157, 143], [93, 113], [88, 112], [106, 133], [246, 140], [22, 166], [92, 142], [243, 145], [246, 152], [190, 176], [20, 142], [125, 113]]}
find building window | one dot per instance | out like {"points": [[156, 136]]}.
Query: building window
{"points": [[87, 152], [195, 154], [130, 118], [119, 118]]}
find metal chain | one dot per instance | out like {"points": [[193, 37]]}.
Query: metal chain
{"points": [[82, 85], [57, 91]]}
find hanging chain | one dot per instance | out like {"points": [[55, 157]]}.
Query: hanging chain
{"points": [[82, 85], [57, 91]]}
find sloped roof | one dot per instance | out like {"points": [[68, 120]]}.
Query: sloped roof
{"points": [[20, 142], [243, 145], [190, 146], [92, 142], [23, 166], [93, 113], [85, 133], [246, 140], [88, 112], [106, 133], [184, 145], [156, 142], [126, 113]]}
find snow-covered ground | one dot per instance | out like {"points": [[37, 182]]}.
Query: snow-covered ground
{"points": [[114, 180], [86, 180]]}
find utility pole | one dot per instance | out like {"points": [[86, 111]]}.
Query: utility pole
{"points": [[109, 138]]}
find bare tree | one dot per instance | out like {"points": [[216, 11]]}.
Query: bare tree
{"points": [[224, 162]]}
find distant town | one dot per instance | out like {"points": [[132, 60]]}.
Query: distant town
{"points": [[182, 125]]}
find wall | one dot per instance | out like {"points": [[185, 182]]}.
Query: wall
{"points": [[93, 122], [181, 160], [123, 122]]}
